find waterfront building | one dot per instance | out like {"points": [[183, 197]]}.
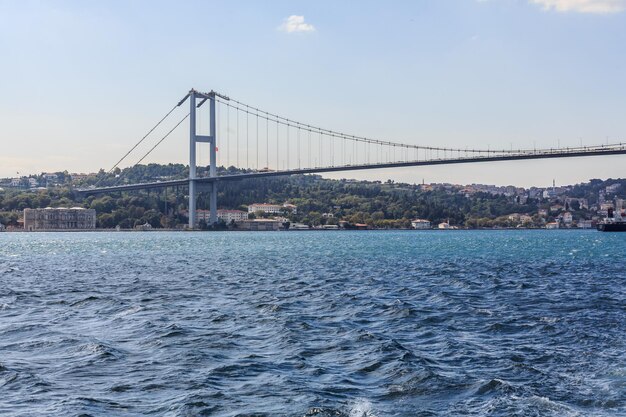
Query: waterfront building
{"points": [[420, 224], [552, 225], [75, 218], [443, 226], [585, 224], [2, 227], [259, 225], [227, 216]]}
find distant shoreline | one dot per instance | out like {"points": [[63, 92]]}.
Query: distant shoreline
{"points": [[293, 230]]}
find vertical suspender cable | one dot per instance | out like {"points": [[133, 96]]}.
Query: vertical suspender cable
{"points": [[218, 126], [238, 166], [257, 142], [277, 149], [320, 143], [247, 140], [267, 143]]}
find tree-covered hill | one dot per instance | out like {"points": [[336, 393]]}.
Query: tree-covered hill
{"points": [[380, 204]]}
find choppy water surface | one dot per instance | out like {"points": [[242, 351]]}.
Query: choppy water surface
{"points": [[526, 323]]}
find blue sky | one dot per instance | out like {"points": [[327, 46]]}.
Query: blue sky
{"points": [[81, 81]]}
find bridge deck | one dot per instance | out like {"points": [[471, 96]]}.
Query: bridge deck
{"points": [[596, 151]]}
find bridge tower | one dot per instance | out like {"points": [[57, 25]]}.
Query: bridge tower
{"points": [[194, 139]]}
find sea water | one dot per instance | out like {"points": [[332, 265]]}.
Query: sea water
{"points": [[363, 323]]}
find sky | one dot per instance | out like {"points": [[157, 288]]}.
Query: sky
{"points": [[82, 81]]}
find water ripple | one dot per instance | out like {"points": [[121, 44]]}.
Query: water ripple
{"points": [[354, 324]]}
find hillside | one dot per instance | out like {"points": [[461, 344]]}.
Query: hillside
{"points": [[382, 205]]}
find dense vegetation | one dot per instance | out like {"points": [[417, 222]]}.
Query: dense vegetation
{"points": [[384, 205]]}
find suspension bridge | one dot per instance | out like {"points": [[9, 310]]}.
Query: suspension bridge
{"points": [[263, 144]]}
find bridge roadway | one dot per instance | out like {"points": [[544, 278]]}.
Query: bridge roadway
{"points": [[550, 154]]}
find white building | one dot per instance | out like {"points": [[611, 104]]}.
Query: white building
{"points": [[16, 182], [265, 208], [32, 182], [552, 225], [444, 226], [229, 216], [420, 224], [585, 224], [226, 215], [272, 208]]}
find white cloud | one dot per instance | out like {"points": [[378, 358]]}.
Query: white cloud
{"points": [[296, 23], [583, 6]]}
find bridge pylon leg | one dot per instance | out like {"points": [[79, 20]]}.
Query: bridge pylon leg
{"points": [[192, 159], [213, 161]]}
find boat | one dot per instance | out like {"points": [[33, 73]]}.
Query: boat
{"points": [[615, 222]]}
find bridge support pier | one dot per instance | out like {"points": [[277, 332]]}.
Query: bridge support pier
{"points": [[192, 204], [213, 203]]}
